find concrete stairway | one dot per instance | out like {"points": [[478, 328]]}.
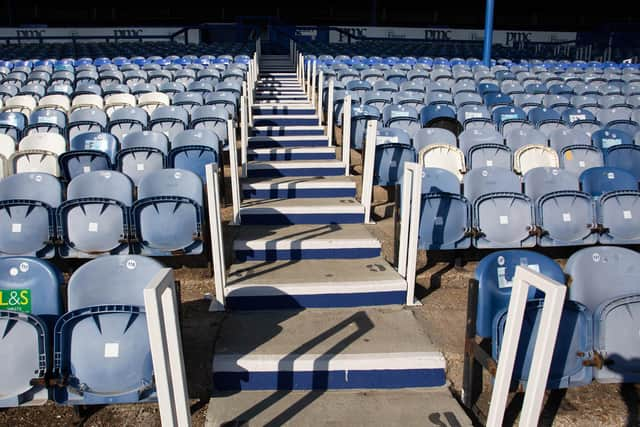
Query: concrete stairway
{"points": [[315, 307]]}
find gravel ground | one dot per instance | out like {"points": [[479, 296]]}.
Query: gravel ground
{"points": [[442, 289]]}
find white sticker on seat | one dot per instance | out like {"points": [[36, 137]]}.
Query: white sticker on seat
{"points": [[611, 175], [504, 219], [16, 228], [566, 217], [489, 163], [438, 220], [86, 169], [140, 166], [111, 350], [581, 163], [627, 214], [93, 227]]}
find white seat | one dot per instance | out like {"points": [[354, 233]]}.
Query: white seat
{"points": [[57, 102], [118, 100], [87, 101], [21, 104], [152, 100], [443, 156], [534, 156], [38, 152]]}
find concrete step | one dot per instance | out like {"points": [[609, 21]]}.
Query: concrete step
{"points": [[273, 90], [314, 283], [283, 75], [270, 169], [283, 109], [344, 210], [298, 187], [268, 243], [281, 97], [288, 130], [287, 141], [278, 101], [352, 348], [286, 120], [407, 408], [294, 153]]}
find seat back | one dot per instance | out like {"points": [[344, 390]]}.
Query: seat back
{"points": [[486, 180], [424, 137], [534, 156], [543, 180], [600, 180], [443, 156]]}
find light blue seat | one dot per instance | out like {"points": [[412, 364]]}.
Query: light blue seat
{"points": [[86, 120], [94, 220], [600, 180], [496, 99], [359, 87], [429, 136], [169, 120], [518, 138], [378, 99], [503, 217], [360, 115], [193, 149], [31, 289], [213, 118], [402, 117], [565, 216], [445, 215], [226, 99], [543, 118], [385, 86], [110, 363], [625, 157], [562, 137], [605, 280], [393, 149], [171, 89], [48, 120], [506, 117], [89, 151], [142, 152], [168, 214], [409, 98], [127, 120], [578, 158], [27, 214]]}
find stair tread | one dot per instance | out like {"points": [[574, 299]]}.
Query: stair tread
{"points": [[320, 276], [284, 150], [404, 407], [287, 137], [304, 235], [293, 164], [342, 204], [391, 330], [306, 181]]}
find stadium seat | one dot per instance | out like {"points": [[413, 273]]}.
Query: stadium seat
{"points": [[533, 156], [428, 136], [393, 149], [30, 289], [86, 120], [212, 118], [94, 220], [615, 307], [401, 117], [142, 152], [127, 120], [360, 115], [443, 156], [89, 151], [445, 215], [107, 291], [193, 149], [601, 180], [46, 121], [38, 153], [27, 214], [168, 214], [13, 124]]}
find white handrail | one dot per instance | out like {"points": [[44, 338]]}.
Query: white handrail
{"points": [[163, 327], [554, 293], [330, 112], [314, 70], [235, 180], [216, 236], [346, 134], [369, 153], [307, 70], [244, 136], [319, 107], [409, 179]]}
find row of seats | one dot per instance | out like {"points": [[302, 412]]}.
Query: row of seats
{"points": [[139, 153], [96, 351], [479, 148], [598, 333], [101, 216], [556, 208]]}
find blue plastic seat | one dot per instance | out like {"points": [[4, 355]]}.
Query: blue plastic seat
{"points": [[518, 138], [213, 118], [606, 138], [563, 137], [429, 136], [27, 214], [127, 120], [227, 100], [94, 220], [401, 117], [168, 214], [86, 120], [360, 115], [600, 180], [30, 291], [412, 99], [605, 280], [47, 120], [378, 99], [193, 149], [440, 116], [142, 152], [625, 157], [106, 292], [445, 215], [169, 120], [578, 158], [89, 151], [13, 124], [506, 116]]}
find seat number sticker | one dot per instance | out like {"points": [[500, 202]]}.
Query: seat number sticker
{"points": [[140, 166], [16, 228], [504, 220], [111, 350], [627, 214], [566, 217], [93, 227], [16, 300]]}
